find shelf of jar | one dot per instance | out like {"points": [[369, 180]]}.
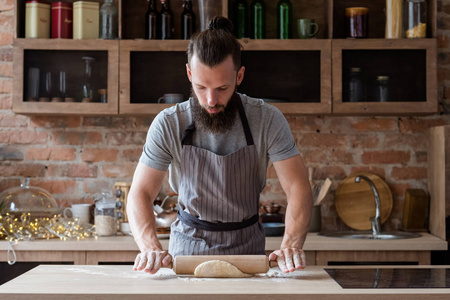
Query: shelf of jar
{"points": [[409, 63], [48, 50]]}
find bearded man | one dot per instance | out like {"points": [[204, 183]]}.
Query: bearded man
{"points": [[217, 146]]}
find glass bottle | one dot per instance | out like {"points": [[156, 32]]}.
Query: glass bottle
{"points": [[105, 216], [151, 21], [415, 19], [355, 89], [381, 92], [240, 23], [108, 20], [187, 20], [258, 19], [284, 19], [394, 12], [166, 21], [87, 93]]}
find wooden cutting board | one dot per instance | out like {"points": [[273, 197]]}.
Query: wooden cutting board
{"points": [[355, 202]]}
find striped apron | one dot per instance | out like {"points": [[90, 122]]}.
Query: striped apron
{"points": [[218, 199]]}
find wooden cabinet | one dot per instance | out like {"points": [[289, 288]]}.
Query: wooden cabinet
{"points": [[297, 76]]}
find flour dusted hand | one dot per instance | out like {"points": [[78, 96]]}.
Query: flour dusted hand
{"points": [[218, 269], [151, 261]]}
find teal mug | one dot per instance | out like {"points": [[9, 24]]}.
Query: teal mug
{"points": [[307, 28]]}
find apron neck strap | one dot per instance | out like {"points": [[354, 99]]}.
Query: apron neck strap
{"points": [[186, 138]]}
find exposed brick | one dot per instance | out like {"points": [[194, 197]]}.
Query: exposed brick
{"points": [[10, 153], [5, 101], [332, 172], [23, 137], [441, 74], [273, 186], [420, 125], [131, 123], [400, 141], [341, 157], [6, 38], [11, 120], [6, 5], [97, 121], [399, 189], [385, 157], [442, 41], [271, 173], [314, 156], [5, 85], [7, 22], [24, 170], [6, 54], [339, 125], [6, 69], [370, 169], [132, 154], [56, 186], [446, 93], [305, 124], [407, 173], [375, 124], [77, 170], [8, 183], [421, 156], [96, 154], [322, 140], [125, 138], [119, 170], [55, 122], [58, 154], [364, 141], [445, 7], [76, 138], [92, 186]]}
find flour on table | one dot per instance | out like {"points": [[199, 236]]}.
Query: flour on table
{"points": [[218, 269]]}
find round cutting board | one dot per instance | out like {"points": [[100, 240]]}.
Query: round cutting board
{"points": [[355, 202]]}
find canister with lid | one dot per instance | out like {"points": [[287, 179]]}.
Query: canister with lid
{"points": [[85, 20], [415, 19], [62, 20], [381, 92], [37, 20], [105, 216]]}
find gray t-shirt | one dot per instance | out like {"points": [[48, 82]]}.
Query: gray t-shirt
{"points": [[270, 130]]}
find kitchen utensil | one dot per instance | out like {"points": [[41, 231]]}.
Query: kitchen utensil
{"points": [[323, 191], [272, 208], [251, 264], [355, 202], [316, 219], [273, 229], [165, 217]]}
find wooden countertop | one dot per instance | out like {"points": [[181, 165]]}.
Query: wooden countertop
{"points": [[47, 282], [426, 242]]}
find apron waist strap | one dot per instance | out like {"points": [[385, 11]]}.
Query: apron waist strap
{"points": [[195, 222]]}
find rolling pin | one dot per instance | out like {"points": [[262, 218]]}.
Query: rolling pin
{"points": [[251, 264]]}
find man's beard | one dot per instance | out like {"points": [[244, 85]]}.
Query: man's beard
{"points": [[215, 123]]}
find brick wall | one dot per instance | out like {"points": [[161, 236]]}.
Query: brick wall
{"points": [[76, 157]]}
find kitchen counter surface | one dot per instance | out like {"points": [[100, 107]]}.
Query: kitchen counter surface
{"points": [[426, 242], [120, 282]]}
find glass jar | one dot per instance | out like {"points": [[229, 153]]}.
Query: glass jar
{"points": [[356, 20], [394, 12], [108, 21], [105, 216], [355, 87], [381, 92], [415, 19]]}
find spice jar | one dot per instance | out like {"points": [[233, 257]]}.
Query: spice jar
{"points": [[381, 92], [355, 87], [105, 216], [415, 19], [356, 19]]}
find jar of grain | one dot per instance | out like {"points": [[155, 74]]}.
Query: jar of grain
{"points": [[415, 19], [105, 216]]}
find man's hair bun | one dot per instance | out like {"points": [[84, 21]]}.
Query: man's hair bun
{"points": [[220, 22]]}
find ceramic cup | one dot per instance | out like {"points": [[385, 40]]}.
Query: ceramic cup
{"points": [[171, 98], [307, 28], [79, 211]]}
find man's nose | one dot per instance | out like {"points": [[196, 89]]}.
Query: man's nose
{"points": [[212, 98]]}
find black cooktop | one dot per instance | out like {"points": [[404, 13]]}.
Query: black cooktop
{"points": [[391, 278]]}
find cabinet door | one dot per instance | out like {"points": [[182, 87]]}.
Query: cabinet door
{"points": [[409, 64], [39, 63]]}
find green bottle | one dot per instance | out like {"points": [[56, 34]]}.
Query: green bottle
{"points": [[284, 19], [240, 12], [258, 19]]}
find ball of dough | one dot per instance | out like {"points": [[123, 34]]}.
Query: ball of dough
{"points": [[218, 269]]}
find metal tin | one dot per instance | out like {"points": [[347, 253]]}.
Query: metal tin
{"points": [[37, 20], [85, 20], [62, 20]]}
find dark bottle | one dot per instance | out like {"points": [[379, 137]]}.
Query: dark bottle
{"points": [[166, 21], [187, 20], [381, 92], [258, 19], [355, 88], [151, 21], [284, 19], [240, 13]]}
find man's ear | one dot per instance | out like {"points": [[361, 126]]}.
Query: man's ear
{"points": [[188, 71], [240, 75]]}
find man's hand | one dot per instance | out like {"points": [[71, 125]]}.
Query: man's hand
{"points": [[289, 259], [151, 261]]}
